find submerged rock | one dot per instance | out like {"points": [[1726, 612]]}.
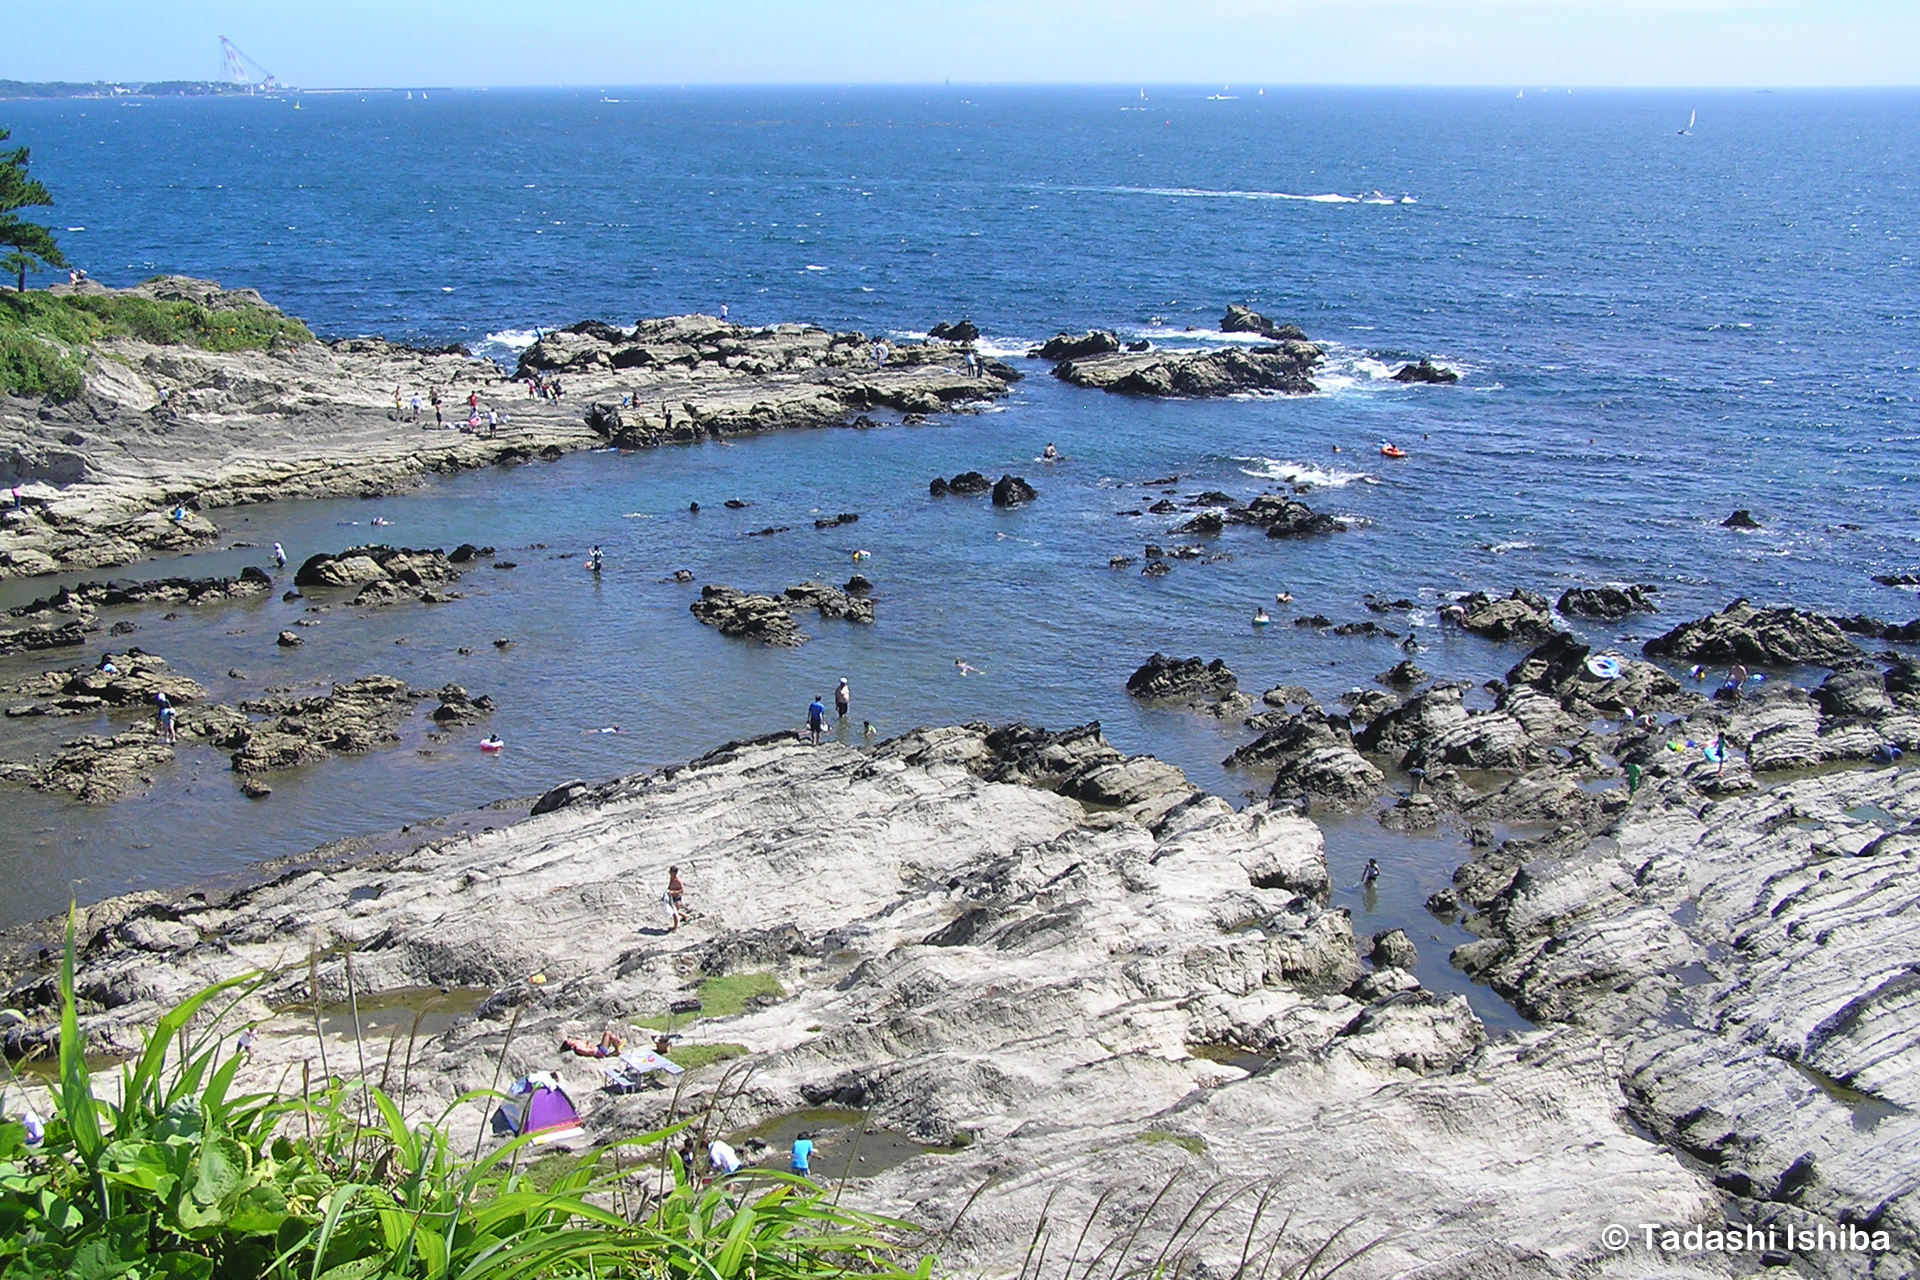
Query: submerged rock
{"points": [[1425, 370]]}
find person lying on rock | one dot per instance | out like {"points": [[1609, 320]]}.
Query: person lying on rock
{"points": [[609, 1047]]}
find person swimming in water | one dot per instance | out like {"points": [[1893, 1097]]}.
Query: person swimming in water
{"points": [[964, 668], [492, 742], [593, 560], [1261, 617]]}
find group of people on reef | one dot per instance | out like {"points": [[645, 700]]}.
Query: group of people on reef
{"points": [[545, 389]]}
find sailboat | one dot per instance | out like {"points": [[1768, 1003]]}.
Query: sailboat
{"points": [[1692, 117]]}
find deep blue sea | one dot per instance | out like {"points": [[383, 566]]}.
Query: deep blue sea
{"points": [[1654, 329]]}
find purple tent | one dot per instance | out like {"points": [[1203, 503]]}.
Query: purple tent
{"points": [[538, 1105]]}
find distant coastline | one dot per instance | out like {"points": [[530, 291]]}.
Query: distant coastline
{"points": [[15, 90]]}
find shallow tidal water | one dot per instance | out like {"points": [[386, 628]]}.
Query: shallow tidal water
{"points": [[1653, 331]]}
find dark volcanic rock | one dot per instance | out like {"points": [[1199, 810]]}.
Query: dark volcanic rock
{"points": [[831, 602], [1069, 346], [1524, 615], [1425, 371], [751, 617], [1205, 525], [960, 331], [191, 591], [1606, 603], [1161, 678], [1741, 519], [457, 707], [42, 636], [967, 482], [1743, 633], [1011, 491], [1403, 675], [1284, 517], [1241, 319]]}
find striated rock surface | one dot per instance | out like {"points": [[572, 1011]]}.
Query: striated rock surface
{"points": [[1753, 960], [1286, 367], [1023, 979]]}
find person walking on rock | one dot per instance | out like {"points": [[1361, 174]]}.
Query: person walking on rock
{"points": [[677, 898], [817, 720], [842, 698]]}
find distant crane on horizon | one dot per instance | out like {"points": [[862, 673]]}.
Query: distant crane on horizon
{"points": [[237, 63]]}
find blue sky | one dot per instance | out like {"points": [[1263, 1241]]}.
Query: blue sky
{"points": [[596, 43]]}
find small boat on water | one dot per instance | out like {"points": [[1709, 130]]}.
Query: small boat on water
{"points": [[1392, 451]]}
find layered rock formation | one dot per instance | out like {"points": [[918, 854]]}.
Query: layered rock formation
{"points": [[1039, 974], [162, 435], [1286, 367]]}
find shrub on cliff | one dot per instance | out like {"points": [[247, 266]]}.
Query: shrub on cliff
{"points": [[45, 338]]}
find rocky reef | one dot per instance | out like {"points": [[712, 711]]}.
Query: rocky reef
{"points": [[1069, 974], [161, 436]]}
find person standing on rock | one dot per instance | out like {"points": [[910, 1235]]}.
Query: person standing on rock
{"points": [[165, 714], [723, 313], [676, 898], [842, 698], [816, 720], [1633, 778], [434, 397]]}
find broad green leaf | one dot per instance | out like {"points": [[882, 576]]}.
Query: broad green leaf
{"points": [[260, 1210], [222, 1170]]}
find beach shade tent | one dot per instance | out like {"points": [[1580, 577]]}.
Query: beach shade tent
{"points": [[537, 1104]]}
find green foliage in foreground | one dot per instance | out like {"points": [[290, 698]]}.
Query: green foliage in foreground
{"points": [[185, 1179], [44, 339]]}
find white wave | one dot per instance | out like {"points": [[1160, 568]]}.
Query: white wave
{"points": [[1207, 193], [505, 342], [1301, 473], [812, 267]]}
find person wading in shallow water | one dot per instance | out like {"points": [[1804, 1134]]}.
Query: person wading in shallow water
{"points": [[842, 698]]}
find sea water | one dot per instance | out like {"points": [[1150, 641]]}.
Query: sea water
{"points": [[1653, 330]]}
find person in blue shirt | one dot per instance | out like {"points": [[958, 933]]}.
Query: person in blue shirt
{"points": [[802, 1153], [817, 720]]}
